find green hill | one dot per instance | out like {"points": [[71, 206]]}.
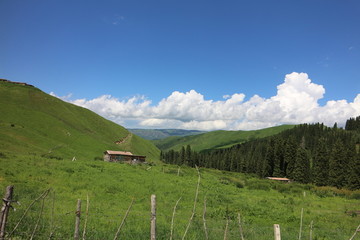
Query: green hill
{"points": [[154, 134], [34, 122], [217, 139]]}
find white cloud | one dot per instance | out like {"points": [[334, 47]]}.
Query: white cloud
{"points": [[296, 102]]}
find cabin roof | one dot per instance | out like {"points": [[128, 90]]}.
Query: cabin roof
{"points": [[118, 153], [278, 179], [123, 153]]}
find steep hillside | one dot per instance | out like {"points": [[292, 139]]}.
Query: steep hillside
{"points": [[217, 139], [34, 122], [155, 134]]}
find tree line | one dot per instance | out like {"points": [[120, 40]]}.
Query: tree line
{"points": [[308, 153]]}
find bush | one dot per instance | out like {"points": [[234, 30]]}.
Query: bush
{"points": [[51, 157], [355, 195]]}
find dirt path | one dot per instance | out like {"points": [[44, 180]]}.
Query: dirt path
{"points": [[123, 140]]}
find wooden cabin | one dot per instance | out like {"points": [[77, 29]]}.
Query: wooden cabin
{"points": [[122, 156], [285, 180]]}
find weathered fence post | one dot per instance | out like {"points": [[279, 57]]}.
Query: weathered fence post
{"points": [[86, 218], [195, 200], [277, 232], [240, 227], [204, 221], [153, 217], [123, 221], [38, 220], [311, 228], [226, 228], [301, 222], [5, 210], [172, 219], [356, 231], [77, 219]]}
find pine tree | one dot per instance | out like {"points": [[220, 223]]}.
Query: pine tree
{"points": [[301, 172], [188, 157], [353, 177], [279, 159], [337, 177], [270, 158], [289, 156], [321, 164], [182, 156]]}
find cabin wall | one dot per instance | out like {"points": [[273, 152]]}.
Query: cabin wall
{"points": [[124, 158]]}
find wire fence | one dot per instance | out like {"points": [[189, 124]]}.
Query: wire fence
{"points": [[40, 219]]}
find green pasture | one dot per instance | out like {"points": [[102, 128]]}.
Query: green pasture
{"points": [[112, 186]]}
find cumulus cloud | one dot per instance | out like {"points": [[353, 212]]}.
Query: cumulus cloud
{"points": [[296, 102]]}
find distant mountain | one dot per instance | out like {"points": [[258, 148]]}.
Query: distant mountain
{"points": [[217, 139], [33, 122], [155, 134]]}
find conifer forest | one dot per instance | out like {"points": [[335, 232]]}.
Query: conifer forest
{"points": [[308, 153]]}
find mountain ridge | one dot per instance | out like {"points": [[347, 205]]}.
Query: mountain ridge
{"points": [[156, 134], [216, 139]]}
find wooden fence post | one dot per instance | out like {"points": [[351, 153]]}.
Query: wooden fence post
{"points": [[204, 221], [311, 228], [5, 210], [240, 227], [153, 217], [123, 221], [172, 219], [277, 232], [226, 228], [356, 231], [86, 218], [301, 222], [77, 219]]}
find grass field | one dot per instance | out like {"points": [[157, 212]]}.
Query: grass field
{"points": [[112, 186]]}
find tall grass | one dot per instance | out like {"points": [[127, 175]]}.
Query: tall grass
{"points": [[111, 187]]}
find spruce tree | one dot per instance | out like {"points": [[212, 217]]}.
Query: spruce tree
{"points": [[182, 156], [321, 164], [289, 156], [353, 177], [188, 157], [337, 177], [270, 158], [301, 172]]}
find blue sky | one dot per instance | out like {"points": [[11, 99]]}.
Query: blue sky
{"points": [[145, 57]]}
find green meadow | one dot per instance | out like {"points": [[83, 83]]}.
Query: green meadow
{"points": [[112, 186]]}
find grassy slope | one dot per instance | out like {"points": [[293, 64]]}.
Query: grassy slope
{"points": [[35, 122], [112, 186], [217, 139]]}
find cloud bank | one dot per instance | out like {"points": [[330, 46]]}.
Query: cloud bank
{"points": [[296, 102]]}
